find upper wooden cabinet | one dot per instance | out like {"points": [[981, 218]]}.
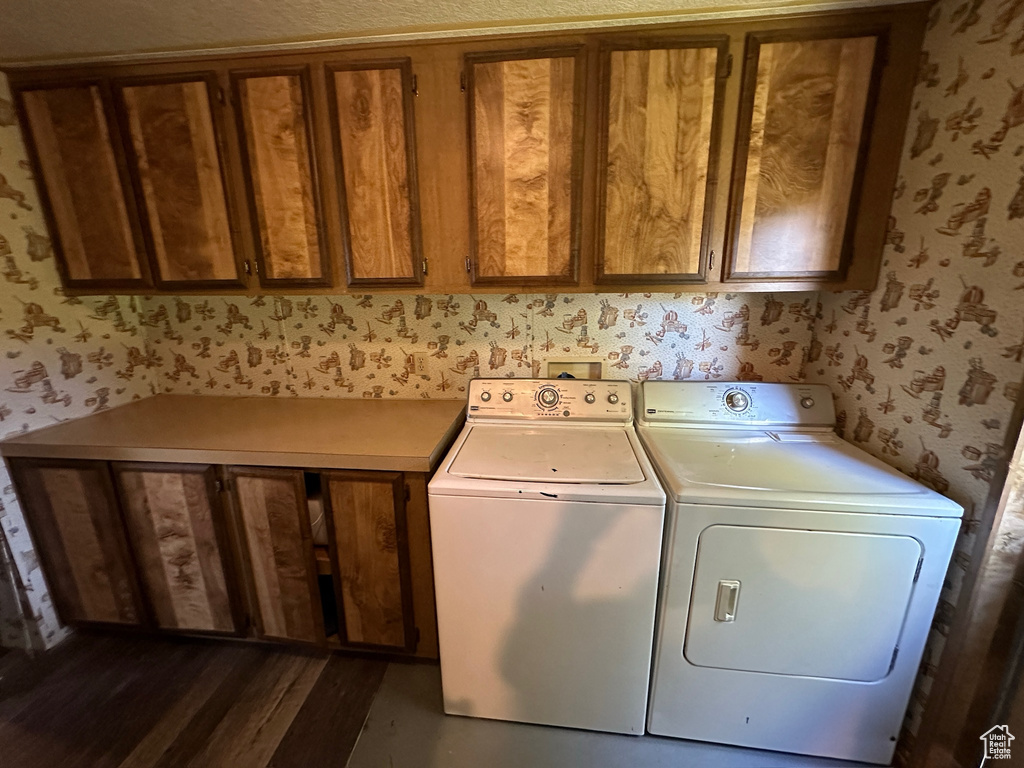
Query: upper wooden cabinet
{"points": [[525, 142], [72, 139], [658, 154], [751, 154], [272, 111], [374, 143], [175, 158], [802, 139], [73, 516]]}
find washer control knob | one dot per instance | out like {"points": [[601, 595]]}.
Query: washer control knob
{"points": [[548, 397], [485, 396], [613, 398], [589, 397], [507, 397], [736, 401], [807, 402]]}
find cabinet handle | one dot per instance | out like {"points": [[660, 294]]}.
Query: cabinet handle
{"points": [[469, 265], [728, 597], [415, 86], [711, 261]]}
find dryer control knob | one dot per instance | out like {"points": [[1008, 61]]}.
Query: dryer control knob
{"points": [[613, 398], [807, 402], [485, 396], [589, 397], [737, 401], [507, 397]]}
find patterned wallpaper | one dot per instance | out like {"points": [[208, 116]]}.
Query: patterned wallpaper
{"points": [[61, 358], [363, 346], [926, 368]]}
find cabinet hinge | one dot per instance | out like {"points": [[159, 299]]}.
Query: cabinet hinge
{"points": [[424, 266], [917, 573], [469, 265], [462, 81], [895, 653], [415, 86], [728, 65]]}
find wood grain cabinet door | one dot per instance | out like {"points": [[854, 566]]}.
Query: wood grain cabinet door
{"points": [[173, 131], [74, 144], [370, 557], [371, 116], [276, 137], [525, 141], [802, 139], [72, 514], [176, 526], [274, 518], [660, 114]]}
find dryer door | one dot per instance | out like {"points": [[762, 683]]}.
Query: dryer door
{"points": [[798, 602]]}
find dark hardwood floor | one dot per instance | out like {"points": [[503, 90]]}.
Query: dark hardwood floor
{"points": [[101, 701]]}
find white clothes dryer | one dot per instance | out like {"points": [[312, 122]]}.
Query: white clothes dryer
{"points": [[546, 523], [800, 574]]}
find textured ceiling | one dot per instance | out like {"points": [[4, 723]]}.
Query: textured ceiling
{"points": [[68, 29]]}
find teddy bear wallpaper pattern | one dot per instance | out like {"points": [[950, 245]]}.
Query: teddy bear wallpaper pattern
{"points": [[61, 358], [363, 346], [927, 367]]}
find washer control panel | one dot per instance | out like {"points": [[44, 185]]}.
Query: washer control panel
{"points": [[738, 402], [550, 399]]}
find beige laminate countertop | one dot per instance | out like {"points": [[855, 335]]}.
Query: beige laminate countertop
{"points": [[397, 435]]}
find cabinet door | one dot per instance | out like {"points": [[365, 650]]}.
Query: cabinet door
{"points": [[72, 513], [276, 136], [176, 527], [74, 146], [371, 118], [176, 161], [271, 505], [802, 136], [366, 525], [525, 165], [660, 113]]}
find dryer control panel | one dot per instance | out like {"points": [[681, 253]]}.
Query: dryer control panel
{"points": [[550, 399], [745, 403]]}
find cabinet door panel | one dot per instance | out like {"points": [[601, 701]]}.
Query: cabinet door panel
{"points": [[82, 185], [175, 525], [276, 136], [72, 513], [525, 145], [366, 518], [371, 116], [177, 166], [660, 108], [279, 546], [806, 109]]}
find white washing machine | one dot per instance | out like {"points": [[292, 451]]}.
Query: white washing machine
{"points": [[546, 523], [799, 578]]}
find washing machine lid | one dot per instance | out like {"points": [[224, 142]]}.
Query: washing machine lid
{"points": [[798, 470], [595, 455]]}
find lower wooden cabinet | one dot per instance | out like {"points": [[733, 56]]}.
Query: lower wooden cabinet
{"points": [[74, 519], [176, 527], [205, 549], [367, 531], [278, 552]]}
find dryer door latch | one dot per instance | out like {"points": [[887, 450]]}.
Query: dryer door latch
{"points": [[728, 597]]}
